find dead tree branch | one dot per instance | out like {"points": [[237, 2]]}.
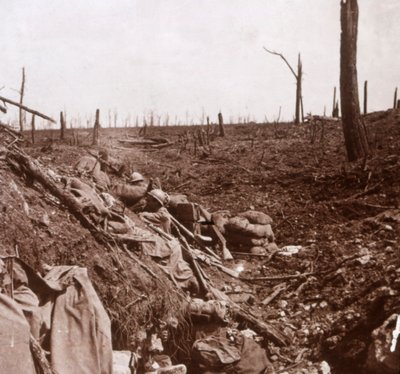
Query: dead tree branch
{"points": [[35, 112]]}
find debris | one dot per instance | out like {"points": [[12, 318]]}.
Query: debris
{"points": [[290, 250]]}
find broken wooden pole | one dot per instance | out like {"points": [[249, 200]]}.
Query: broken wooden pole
{"points": [[62, 125], [365, 97], [33, 129], [395, 99], [298, 89], [21, 99], [96, 128], [334, 103], [221, 125], [26, 109]]}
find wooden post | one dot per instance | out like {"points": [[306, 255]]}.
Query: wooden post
{"points": [[337, 109], [221, 125], [21, 99], [398, 104], [298, 89], [334, 103], [33, 128], [395, 99], [63, 125], [96, 128], [365, 97]]}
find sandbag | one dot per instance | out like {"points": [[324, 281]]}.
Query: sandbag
{"points": [[258, 250], [256, 217], [129, 194], [236, 238], [241, 225], [175, 199]]}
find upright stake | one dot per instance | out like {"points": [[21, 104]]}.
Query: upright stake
{"points": [[365, 97], [62, 124], [96, 128], [395, 99], [21, 99], [33, 128]]}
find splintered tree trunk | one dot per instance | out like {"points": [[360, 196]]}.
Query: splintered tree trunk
{"points": [[221, 125], [63, 125], [365, 97], [298, 89], [395, 99], [353, 128], [334, 103], [33, 128], [96, 128], [21, 99]]}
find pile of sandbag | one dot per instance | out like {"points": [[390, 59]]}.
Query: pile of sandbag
{"points": [[249, 231]]}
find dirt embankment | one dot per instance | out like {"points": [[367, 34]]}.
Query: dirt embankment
{"points": [[342, 283]]}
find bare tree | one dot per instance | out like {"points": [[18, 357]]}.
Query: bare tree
{"points": [[353, 126], [299, 110]]}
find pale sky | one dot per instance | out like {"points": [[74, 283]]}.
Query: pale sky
{"points": [[180, 56]]}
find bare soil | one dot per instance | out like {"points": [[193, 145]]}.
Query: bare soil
{"points": [[296, 174]]}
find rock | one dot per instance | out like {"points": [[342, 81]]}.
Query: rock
{"points": [[290, 250], [323, 304], [45, 219], [324, 368], [380, 359]]}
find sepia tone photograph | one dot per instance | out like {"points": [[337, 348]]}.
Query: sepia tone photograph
{"points": [[200, 187]]}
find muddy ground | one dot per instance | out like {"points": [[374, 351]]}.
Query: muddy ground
{"points": [[344, 216]]}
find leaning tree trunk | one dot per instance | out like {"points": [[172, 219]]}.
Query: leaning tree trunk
{"points": [[353, 128]]}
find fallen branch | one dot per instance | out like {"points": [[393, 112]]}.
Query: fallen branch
{"points": [[277, 290], [307, 274], [35, 112]]}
